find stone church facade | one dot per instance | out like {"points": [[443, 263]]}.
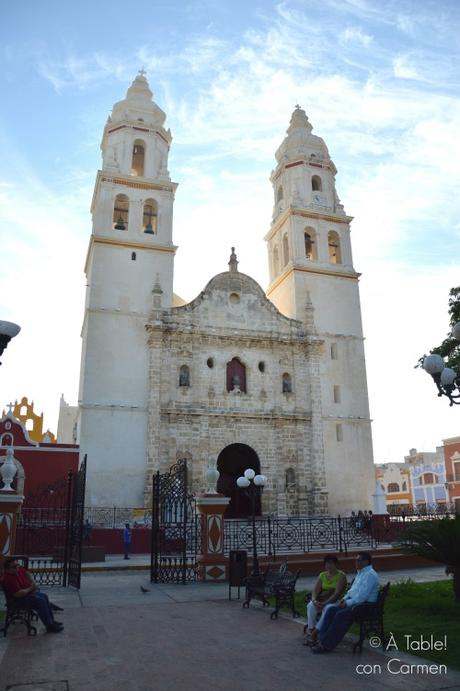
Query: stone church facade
{"points": [[237, 377]]}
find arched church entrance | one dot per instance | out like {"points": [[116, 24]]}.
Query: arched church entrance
{"points": [[231, 464]]}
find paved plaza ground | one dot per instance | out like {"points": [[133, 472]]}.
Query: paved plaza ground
{"points": [[181, 638]]}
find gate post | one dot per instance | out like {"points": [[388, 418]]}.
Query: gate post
{"points": [[212, 563], [10, 505]]}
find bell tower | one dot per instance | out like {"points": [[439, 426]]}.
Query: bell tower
{"points": [[311, 273], [130, 251]]}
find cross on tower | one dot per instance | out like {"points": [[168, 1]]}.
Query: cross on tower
{"points": [[10, 407], [142, 72]]}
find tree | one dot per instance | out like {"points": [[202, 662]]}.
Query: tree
{"points": [[437, 540], [450, 347]]}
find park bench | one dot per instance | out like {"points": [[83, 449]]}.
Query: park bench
{"points": [[275, 582], [369, 616], [16, 612]]}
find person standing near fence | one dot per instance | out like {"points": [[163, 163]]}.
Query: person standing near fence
{"points": [[127, 535]]}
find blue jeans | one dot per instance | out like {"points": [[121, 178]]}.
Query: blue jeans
{"points": [[40, 603], [336, 622]]}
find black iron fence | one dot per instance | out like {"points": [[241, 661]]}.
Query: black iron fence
{"points": [[49, 530], [116, 517], [275, 535], [401, 512]]}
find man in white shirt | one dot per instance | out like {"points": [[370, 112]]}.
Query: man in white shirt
{"points": [[338, 618]]}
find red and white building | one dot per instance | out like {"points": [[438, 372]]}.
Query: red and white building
{"points": [[43, 463]]}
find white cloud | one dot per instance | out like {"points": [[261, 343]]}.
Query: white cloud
{"points": [[403, 69], [77, 72], [355, 35]]}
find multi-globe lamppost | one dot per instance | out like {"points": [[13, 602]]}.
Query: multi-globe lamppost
{"points": [[446, 379], [253, 484], [8, 330]]}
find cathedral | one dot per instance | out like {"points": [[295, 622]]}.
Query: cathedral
{"points": [[238, 378]]}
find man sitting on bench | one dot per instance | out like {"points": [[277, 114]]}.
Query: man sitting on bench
{"points": [[338, 618], [19, 584]]}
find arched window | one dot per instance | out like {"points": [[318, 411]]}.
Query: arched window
{"points": [[310, 243], [316, 184], [279, 194], [290, 479], [428, 479], [286, 383], [236, 375], [285, 249], [150, 216], [404, 486], [276, 261], [137, 164], [184, 376], [133, 256], [6, 439], [121, 212], [333, 241], [393, 487]]}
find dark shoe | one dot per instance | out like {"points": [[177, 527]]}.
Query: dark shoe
{"points": [[310, 642], [59, 623], [319, 650], [54, 628], [56, 608]]}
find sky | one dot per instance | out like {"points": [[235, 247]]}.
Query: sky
{"points": [[380, 82]]}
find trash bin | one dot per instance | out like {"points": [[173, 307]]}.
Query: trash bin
{"points": [[237, 570]]}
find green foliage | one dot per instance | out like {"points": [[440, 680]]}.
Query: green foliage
{"points": [[418, 609], [438, 540], [424, 609], [450, 347]]}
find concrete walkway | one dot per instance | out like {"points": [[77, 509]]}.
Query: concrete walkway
{"points": [[181, 638]]}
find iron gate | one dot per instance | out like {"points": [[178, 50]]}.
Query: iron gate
{"points": [[175, 528], [75, 533], [49, 531]]}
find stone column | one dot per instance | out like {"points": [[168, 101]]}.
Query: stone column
{"points": [[10, 504], [212, 563]]}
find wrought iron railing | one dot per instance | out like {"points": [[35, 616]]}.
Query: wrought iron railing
{"points": [[276, 535], [401, 512], [116, 517]]}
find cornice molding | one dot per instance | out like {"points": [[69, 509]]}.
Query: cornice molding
{"points": [[291, 268], [131, 182], [183, 331], [317, 163], [305, 213], [129, 244], [202, 412], [126, 124]]}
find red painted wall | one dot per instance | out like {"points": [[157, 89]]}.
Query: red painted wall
{"points": [[44, 464], [111, 539]]}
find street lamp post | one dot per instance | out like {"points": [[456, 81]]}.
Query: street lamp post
{"points": [[8, 330], [446, 379], [253, 484]]}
